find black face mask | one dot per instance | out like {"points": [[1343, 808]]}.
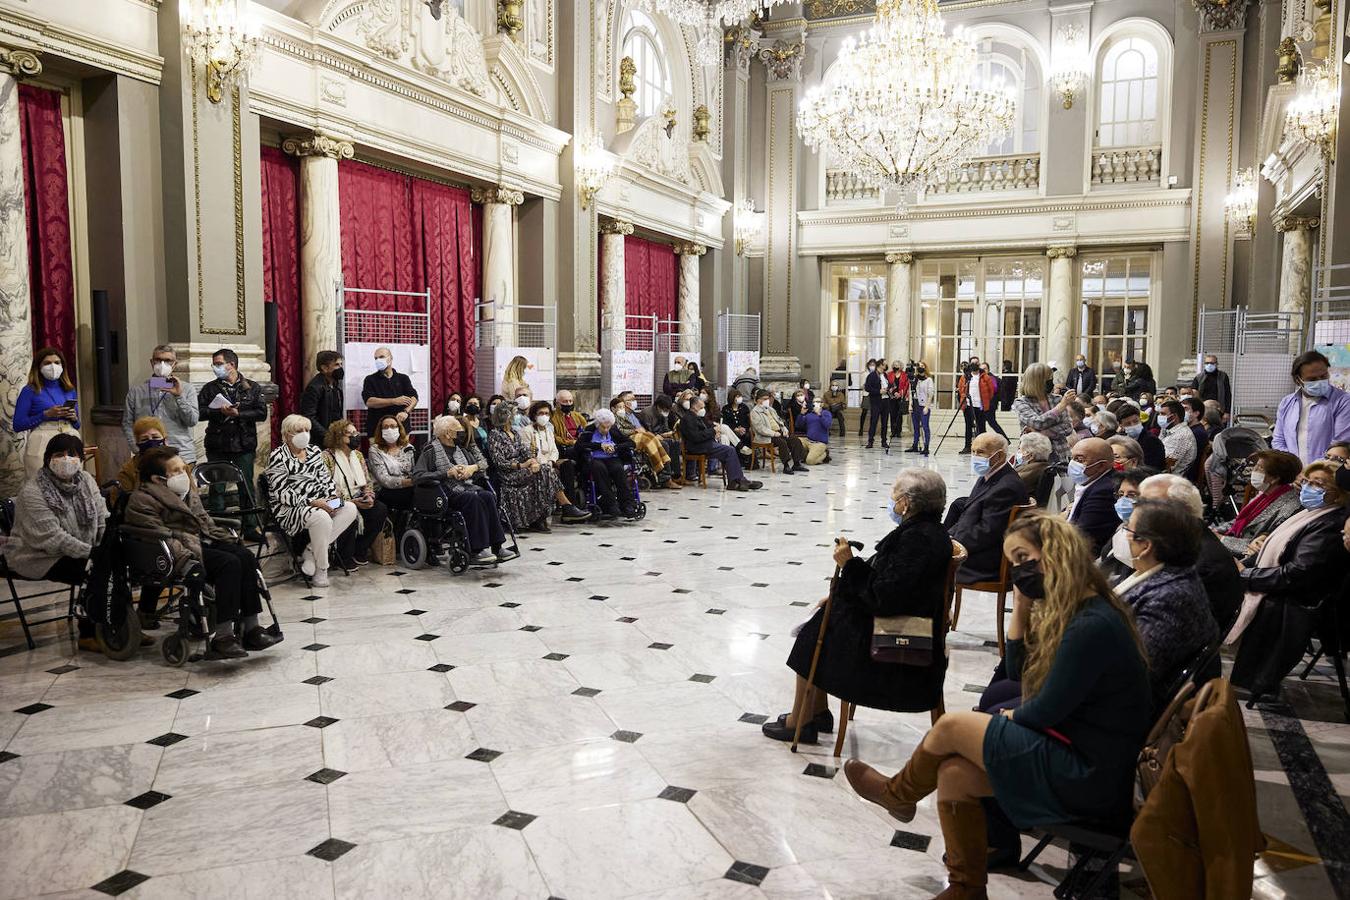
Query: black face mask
{"points": [[472, 409], [354, 442], [338, 374], [461, 438], [1050, 386], [148, 443], [566, 408], [1028, 578]]}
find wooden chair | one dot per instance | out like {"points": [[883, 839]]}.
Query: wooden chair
{"points": [[760, 452], [1001, 587], [847, 709], [700, 460]]}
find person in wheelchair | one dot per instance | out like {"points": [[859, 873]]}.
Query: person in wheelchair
{"points": [[453, 456], [602, 450], [166, 500], [391, 464], [529, 491], [304, 498]]}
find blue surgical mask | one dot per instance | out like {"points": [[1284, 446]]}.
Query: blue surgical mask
{"points": [[1124, 508], [1317, 389], [979, 464], [1211, 368], [1077, 472], [1164, 420], [896, 517], [1134, 430], [219, 371], [1312, 496], [381, 364]]}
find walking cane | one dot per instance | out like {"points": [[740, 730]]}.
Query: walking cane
{"points": [[820, 642]]}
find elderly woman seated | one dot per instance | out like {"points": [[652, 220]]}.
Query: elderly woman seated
{"points": [[1102, 424], [541, 438], [1338, 453], [1274, 499], [166, 500], [304, 498], [1033, 455], [907, 576], [1126, 453], [149, 433], [602, 450], [355, 485], [453, 455], [529, 490]]}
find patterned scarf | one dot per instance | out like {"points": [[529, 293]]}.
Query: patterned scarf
{"points": [[75, 494]]}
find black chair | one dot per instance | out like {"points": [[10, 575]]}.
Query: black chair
{"points": [[11, 577], [294, 545], [1046, 487]]}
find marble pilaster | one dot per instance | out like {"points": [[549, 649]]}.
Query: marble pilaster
{"points": [[320, 238], [1057, 321], [499, 254], [613, 293], [16, 322], [1296, 261], [689, 315], [899, 300]]}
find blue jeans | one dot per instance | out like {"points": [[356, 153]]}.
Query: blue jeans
{"points": [[921, 418]]}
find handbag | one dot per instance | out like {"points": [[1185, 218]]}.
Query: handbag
{"points": [[382, 548], [907, 640]]}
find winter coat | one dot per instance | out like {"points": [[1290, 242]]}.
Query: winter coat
{"points": [[981, 520], [321, 403], [1174, 620], [154, 505]]}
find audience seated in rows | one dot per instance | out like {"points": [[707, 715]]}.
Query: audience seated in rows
{"points": [[453, 459], [304, 498], [1130, 421], [355, 485], [906, 576], [700, 439], [627, 422], [602, 451], [147, 433], [1093, 508], [1214, 564], [1274, 499], [528, 490], [1114, 558], [980, 520], [1033, 456], [392, 458], [768, 428], [736, 417], [540, 438]]}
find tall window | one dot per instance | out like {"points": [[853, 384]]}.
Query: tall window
{"points": [[1127, 114], [1116, 292], [1013, 68], [857, 316], [642, 42], [1013, 289], [948, 301]]}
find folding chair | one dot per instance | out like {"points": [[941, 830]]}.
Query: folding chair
{"points": [[1001, 587], [6, 526]]}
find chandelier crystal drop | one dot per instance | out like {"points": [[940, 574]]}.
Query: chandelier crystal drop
{"points": [[221, 39], [904, 105], [1313, 112], [708, 17]]}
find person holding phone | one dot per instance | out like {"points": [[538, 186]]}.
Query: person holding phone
{"points": [[168, 399], [304, 498], [46, 406], [342, 454]]}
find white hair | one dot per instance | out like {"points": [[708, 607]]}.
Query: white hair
{"points": [[1034, 446], [603, 417], [1177, 488], [441, 424], [294, 424], [1107, 420], [923, 489]]}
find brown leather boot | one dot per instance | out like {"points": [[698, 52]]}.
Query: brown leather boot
{"points": [[900, 794], [963, 831]]}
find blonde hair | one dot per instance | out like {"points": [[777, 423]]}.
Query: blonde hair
{"points": [[1034, 379], [515, 370], [1071, 580], [144, 424], [294, 424]]}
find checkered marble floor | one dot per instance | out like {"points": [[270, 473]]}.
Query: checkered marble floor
{"points": [[579, 723]]}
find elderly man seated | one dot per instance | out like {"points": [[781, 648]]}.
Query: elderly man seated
{"points": [[979, 521], [602, 450], [1093, 509], [1214, 565], [768, 428], [624, 408], [1033, 455], [699, 438]]}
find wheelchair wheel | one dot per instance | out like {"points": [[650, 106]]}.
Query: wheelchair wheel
{"points": [[175, 650], [412, 549], [459, 561], [641, 511], [120, 642]]}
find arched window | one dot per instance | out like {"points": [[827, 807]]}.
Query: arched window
{"points": [[1013, 68], [1127, 113], [642, 41]]}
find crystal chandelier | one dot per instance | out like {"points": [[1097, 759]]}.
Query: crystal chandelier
{"points": [[749, 225], [1240, 204], [707, 17], [594, 166], [220, 39], [1311, 115], [904, 106]]}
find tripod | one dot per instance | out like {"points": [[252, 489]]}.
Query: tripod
{"points": [[950, 423]]}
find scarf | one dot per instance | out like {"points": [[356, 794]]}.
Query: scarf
{"points": [[1271, 552], [74, 494], [1255, 506]]}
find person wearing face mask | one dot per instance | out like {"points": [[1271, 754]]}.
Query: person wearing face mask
{"points": [[387, 391], [696, 379], [147, 433], [540, 438], [166, 500], [520, 419], [355, 485], [814, 428], [677, 379], [836, 401], [768, 428], [802, 402], [321, 401], [454, 404], [1081, 379], [898, 380], [1129, 424], [1138, 380], [1093, 509], [232, 406], [923, 397], [46, 406], [979, 520], [736, 417], [1211, 383], [1274, 499], [1126, 453], [170, 400], [1316, 414], [699, 438], [452, 459], [1039, 410], [305, 499], [1114, 559], [1068, 751], [1293, 575], [567, 421], [905, 577], [391, 463], [474, 421], [629, 424], [529, 491], [1030, 462], [601, 452], [876, 388], [1177, 438]]}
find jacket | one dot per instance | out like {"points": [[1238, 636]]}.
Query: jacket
{"points": [[1328, 421], [737, 416], [982, 520], [42, 535], [153, 505], [1155, 455], [766, 424], [675, 381], [1173, 618], [559, 422], [1030, 472], [987, 391], [1084, 380], [657, 422], [816, 426], [1197, 834], [623, 446], [1217, 573], [179, 415], [1214, 387], [1056, 426], [1281, 508], [388, 471], [697, 434], [872, 385], [1134, 385], [321, 403], [1095, 512], [836, 401], [232, 434], [437, 459], [747, 384]]}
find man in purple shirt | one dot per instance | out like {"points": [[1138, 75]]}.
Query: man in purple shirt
{"points": [[1316, 415]]}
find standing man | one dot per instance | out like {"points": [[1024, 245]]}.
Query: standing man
{"points": [[1211, 383], [1315, 415], [232, 407], [169, 399], [387, 392], [321, 401], [1081, 378], [878, 407]]}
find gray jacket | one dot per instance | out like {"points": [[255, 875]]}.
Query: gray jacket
{"points": [[1171, 611], [179, 415], [42, 535], [1267, 521]]}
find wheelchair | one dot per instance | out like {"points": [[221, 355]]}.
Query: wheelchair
{"points": [[632, 473], [432, 528]]}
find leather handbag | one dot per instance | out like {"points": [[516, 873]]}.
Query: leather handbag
{"points": [[907, 640], [382, 550]]}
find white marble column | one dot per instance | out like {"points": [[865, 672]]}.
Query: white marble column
{"points": [[899, 300], [499, 255], [320, 238], [1057, 319], [688, 309], [1296, 263], [16, 322], [613, 293]]}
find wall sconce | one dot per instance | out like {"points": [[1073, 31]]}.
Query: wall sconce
{"points": [[220, 39], [1069, 80], [594, 167], [1240, 204], [748, 225], [1311, 115]]}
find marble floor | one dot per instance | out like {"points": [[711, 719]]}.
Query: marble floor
{"points": [[580, 723]]}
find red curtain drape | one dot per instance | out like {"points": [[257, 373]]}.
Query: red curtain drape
{"points": [[281, 274], [651, 278], [51, 280], [408, 234]]}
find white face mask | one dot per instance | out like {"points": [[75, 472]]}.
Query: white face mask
{"points": [[381, 363], [180, 484], [162, 369], [764, 403], [453, 406], [522, 403], [65, 466], [390, 435], [1258, 479], [630, 404], [541, 421], [300, 440], [806, 387], [684, 403], [1120, 547], [52, 371]]}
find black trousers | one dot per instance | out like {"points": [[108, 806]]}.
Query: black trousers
{"points": [[974, 422], [673, 451], [396, 498], [990, 419], [880, 410], [897, 411], [372, 520], [233, 570], [838, 415], [479, 509], [567, 474], [611, 485], [789, 449]]}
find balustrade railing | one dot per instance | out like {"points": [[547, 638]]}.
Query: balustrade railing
{"points": [[1127, 165], [1017, 172], [842, 187]]}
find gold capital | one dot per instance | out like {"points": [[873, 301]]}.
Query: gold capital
{"points": [[319, 145], [902, 258], [1062, 252], [1297, 223], [616, 226], [689, 248], [498, 194], [20, 63]]}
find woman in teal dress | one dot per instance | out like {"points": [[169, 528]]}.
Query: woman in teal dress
{"points": [[1068, 752]]}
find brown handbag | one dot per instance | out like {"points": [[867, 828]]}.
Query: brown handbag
{"points": [[382, 550], [907, 640]]}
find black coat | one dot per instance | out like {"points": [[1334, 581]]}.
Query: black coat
{"points": [[698, 435], [1136, 385], [321, 403], [1095, 514], [1220, 578], [1214, 387], [1155, 456], [1084, 381], [232, 434], [905, 577], [982, 520], [736, 417]]}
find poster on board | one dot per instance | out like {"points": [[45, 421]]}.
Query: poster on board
{"points": [[413, 360], [540, 374], [735, 362], [1332, 339], [629, 370]]}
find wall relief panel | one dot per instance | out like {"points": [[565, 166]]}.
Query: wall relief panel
{"points": [[430, 36]]}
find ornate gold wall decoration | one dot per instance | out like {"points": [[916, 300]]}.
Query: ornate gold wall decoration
{"points": [[702, 128], [830, 9], [905, 258], [318, 144], [1321, 48], [498, 194], [509, 19], [616, 226], [1221, 15], [784, 59], [1296, 223], [1286, 60], [1061, 252], [20, 63]]}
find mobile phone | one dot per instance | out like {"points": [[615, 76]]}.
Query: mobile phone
{"points": [[161, 384], [335, 503]]}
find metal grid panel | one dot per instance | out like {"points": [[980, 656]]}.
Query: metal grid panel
{"points": [[1256, 350], [518, 326], [360, 325], [738, 331], [672, 338], [639, 333]]}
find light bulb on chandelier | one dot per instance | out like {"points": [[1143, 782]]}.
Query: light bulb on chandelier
{"points": [[708, 17]]}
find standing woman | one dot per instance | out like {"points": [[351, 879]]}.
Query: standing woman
{"points": [[47, 406], [1039, 411]]}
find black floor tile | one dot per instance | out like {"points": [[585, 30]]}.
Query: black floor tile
{"points": [[816, 770], [747, 873], [148, 800], [317, 680], [61, 670], [702, 679], [325, 776], [678, 794], [461, 706], [321, 721], [33, 709], [628, 737], [120, 883], [483, 754], [586, 692], [909, 840], [168, 739], [331, 849], [440, 667], [514, 820], [182, 694]]}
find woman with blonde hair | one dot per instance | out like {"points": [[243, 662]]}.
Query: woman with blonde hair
{"points": [[1068, 752], [1038, 410], [347, 466], [514, 378]]}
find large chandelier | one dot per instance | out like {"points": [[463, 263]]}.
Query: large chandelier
{"points": [[708, 17], [903, 106], [1313, 112]]}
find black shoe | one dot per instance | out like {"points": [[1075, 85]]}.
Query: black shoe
{"points": [[606, 516], [823, 721], [800, 468], [630, 513], [541, 526], [349, 563], [868, 447], [778, 731], [227, 647], [361, 559], [964, 451], [149, 621], [912, 450], [739, 486], [885, 446], [924, 452], [753, 485], [258, 638], [571, 515]]}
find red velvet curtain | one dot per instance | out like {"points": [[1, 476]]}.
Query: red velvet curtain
{"points": [[408, 234], [51, 280], [651, 278], [281, 274]]}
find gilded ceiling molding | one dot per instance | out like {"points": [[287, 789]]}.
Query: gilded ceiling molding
{"points": [[1297, 223], [318, 145], [19, 63], [815, 10], [784, 58], [616, 226], [904, 259]]}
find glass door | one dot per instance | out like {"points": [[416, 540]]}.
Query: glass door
{"points": [[950, 312], [1116, 292], [857, 321]]}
